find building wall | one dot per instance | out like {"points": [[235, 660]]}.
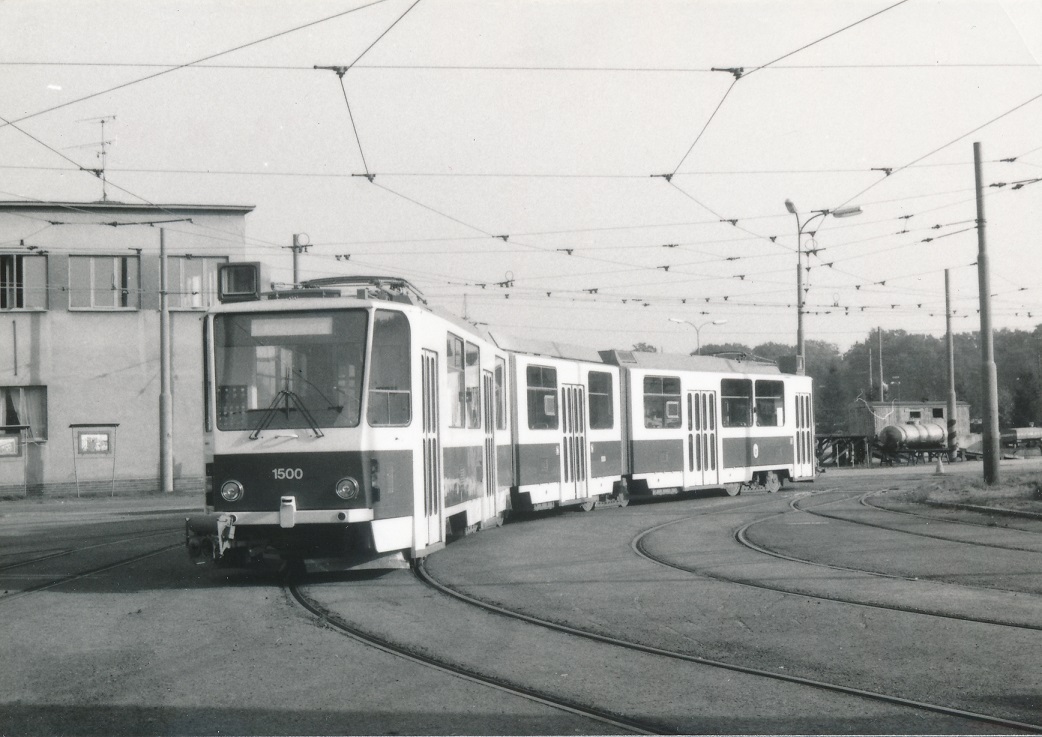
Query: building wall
{"points": [[102, 366]]}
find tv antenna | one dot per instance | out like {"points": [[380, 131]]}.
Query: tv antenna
{"points": [[103, 153]]}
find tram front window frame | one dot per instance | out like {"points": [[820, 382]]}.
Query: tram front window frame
{"points": [[279, 369]]}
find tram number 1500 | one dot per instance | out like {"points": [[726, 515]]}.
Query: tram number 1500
{"points": [[287, 474]]}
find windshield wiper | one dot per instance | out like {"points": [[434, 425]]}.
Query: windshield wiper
{"points": [[274, 407]]}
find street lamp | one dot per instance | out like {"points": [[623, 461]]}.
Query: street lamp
{"points": [[698, 328], [839, 212]]}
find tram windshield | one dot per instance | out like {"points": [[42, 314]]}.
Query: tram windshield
{"points": [[289, 370]]}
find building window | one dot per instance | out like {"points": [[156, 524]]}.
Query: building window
{"points": [[23, 282], [602, 409], [104, 283], [390, 377], [662, 402], [938, 413], [24, 405], [192, 281], [770, 403], [736, 402], [542, 398]]}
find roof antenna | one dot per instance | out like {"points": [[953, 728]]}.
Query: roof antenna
{"points": [[103, 154]]}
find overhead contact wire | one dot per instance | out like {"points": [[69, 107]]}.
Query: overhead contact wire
{"points": [[240, 47]]}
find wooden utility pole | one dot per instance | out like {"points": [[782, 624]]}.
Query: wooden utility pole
{"points": [[990, 394]]}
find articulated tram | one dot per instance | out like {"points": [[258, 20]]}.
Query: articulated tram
{"points": [[346, 420]]}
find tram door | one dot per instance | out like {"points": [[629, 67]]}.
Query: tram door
{"points": [[804, 436], [491, 483], [702, 467], [573, 443], [431, 448]]}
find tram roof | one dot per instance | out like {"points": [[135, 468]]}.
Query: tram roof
{"points": [[680, 362], [548, 348]]}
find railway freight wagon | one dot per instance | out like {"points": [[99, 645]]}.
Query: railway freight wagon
{"points": [[348, 420]]}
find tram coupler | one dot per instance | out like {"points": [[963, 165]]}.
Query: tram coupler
{"points": [[209, 537]]}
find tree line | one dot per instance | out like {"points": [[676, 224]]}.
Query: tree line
{"points": [[915, 366]]}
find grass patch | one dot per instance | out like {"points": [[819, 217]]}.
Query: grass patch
{"points": [[1020, 491]]}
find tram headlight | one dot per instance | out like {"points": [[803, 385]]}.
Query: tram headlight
{"points": [[347, 488], [231, 491]]}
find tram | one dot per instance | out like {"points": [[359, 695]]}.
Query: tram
{"points": [[348, 421]]}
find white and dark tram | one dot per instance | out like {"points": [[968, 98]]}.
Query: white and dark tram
{"points": [[347, 420]]}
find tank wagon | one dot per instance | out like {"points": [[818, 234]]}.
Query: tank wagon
{"points": [[347, 420]]}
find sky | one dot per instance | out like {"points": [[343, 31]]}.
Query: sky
{"points": [[584, 171]]}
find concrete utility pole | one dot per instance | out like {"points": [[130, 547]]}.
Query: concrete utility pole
{"points": [[882, 384], [301, 243], [990, 393], [166, 404], [952, 440]]}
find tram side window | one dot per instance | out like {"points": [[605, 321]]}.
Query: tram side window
{"points": [[456, 388], [662, 402], [542, 398], [601, 406], [473, 382], [390, 377], [736, 402], [501, 394], [770, 403]]}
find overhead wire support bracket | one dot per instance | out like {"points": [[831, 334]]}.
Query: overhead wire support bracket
{"points": [[736, 71], [340, 71]]}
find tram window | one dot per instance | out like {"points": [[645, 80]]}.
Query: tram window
{"points": [[770, 403], [308, 365], [473, 382], [501, 394], [736, 402], [602, 412], [457, 388], [390, 376], [662, 402], [542, 398]]}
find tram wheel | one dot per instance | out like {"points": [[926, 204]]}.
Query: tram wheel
{"points": [[771, 482], [733, 489]]}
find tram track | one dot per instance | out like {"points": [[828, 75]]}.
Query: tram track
{"points": [[427, 578], [334, 621], [862, 500], [741, 538], [66, 552], [61, 580]]}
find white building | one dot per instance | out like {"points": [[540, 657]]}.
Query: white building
{"points": [[79, 340]]}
